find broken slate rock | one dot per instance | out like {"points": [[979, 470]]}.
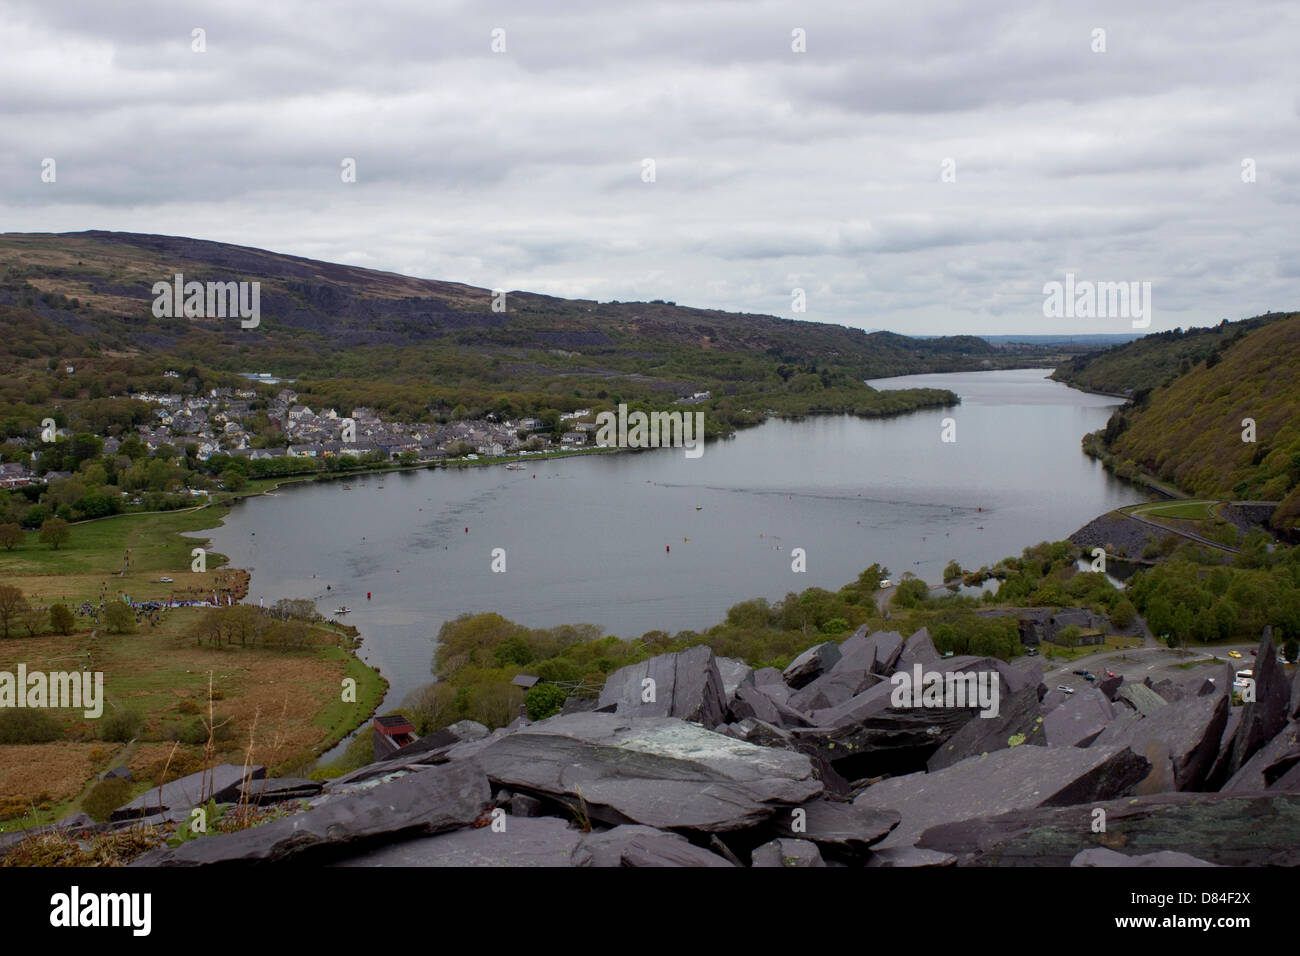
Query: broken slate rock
{"points": [[1078, 721], [811, 664], [1001, 781], [842, 831], [642, 846], [687, 684], [544, 841], [222, 784], [658, 771], [783, 852], [431, 801], [1101, 856]]}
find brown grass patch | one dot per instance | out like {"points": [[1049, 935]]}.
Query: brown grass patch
{"points": [[60, 769]]}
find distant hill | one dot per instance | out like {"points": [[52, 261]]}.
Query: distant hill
{"points": [[1190, 431], [1153, 360], [419, 348]]}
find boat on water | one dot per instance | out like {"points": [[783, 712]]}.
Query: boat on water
{"points": [[342, 610], [514, 466], [347, 487]]}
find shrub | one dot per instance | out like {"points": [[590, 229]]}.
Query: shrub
{"points": [[836, 625], [120, 726], [28, 726], [543, 700], [105, 797], [62, 619], [119, 618]]}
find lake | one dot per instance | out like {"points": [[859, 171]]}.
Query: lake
{"points": [[585, 537]]}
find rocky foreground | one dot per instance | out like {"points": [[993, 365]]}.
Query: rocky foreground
{"points": [[692, 760]]}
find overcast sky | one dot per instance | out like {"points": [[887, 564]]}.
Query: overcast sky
{"points": [[773, 169]]}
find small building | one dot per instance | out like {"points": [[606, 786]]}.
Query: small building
{"points": [[392, 733], [525, 681]]}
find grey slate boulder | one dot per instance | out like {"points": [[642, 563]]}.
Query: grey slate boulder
{"points": [[1261, 829], [811, 664], [767, 675], [1079, 720], [277, 789], [842, 831], [750, 701], [787, 853], [1190, 730], [734, 673], [1019, 723], [865, 659], [1110, 686], [918, 649], [658, 771], [1141, 698], [642, 846], [1003, 780], [1101, 856], [431, 801], [687, 685], [1269, 763], [222, 784], [525, 841], [909, 856], [1264, 717]]}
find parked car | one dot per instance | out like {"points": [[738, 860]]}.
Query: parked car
{"points": [[1091, 678], [1031, 652], [1112, 674], [1080, 673], [1236, 654], [165, 580], [1062, 687], [1253, 652]]}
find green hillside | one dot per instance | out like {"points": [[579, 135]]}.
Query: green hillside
{"points": [[1190, 432], [1154, 360], [416, 349]]}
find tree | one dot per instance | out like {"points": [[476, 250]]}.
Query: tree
{"points": [[233, 480], [54, 532], [11, 535], [12, 606], [952, 571], [543, 700], [62, 619], [119, 618]]}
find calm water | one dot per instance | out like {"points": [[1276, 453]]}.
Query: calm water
{"points": [[585, 539]]}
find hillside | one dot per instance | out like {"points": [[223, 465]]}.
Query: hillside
{"points": [[1153, 360], [413, 347], [1190, 431]]}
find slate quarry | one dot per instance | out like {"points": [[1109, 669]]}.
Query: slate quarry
{"points": [[690, 760]]}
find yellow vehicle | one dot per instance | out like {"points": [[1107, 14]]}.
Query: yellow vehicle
{"points": [[1236, 654]]}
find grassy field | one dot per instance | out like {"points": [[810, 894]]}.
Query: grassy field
{"points": [[280, 707], [1193, 510]]}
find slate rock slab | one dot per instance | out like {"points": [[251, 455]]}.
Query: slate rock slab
{"points": [[431, 801], [787, 853], [909, 856], [1268, 764], [687, 685], [1263, 718], [865, 659], [840, 830], [734, 673], [1079, 720], [1141, 698], [1226, 829], [918, 649], [1190, 730], [658, 771], [1019, 723], [276, 789], [811, 664], [526, 841], [1100, 856], [1003, 780], [222, 784], [634, 845]]}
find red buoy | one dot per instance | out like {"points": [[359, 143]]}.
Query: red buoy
{"points": [[367, 595], [666, 548]]}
